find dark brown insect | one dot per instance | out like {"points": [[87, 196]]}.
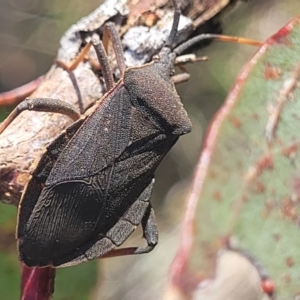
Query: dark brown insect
{"points": [[93, 184]]}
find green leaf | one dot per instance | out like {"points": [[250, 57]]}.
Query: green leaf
{"points": [[246, 190]]}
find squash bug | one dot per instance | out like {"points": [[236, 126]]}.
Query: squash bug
{"points": [[93, 184]]}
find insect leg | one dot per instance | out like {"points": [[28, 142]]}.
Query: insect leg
{"points": [[41, 104], [117, 45], [180, 62], [74, 64], [179, 78], [150, 232], [142, 213], [188, 58]]}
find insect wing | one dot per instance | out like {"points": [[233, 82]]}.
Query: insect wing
{"points": [[40, 174], [70, 205], [102, 138]]}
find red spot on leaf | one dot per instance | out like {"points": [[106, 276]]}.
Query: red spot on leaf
{"points": [[265, 163], [268, 286], [212, 174], [273, 192], [276, 237], [269, 205], [236, 122], [296, 186], [258, 187], [271, 72], [288, 209], [287, 278], [217, 196], [226, 241], [244, 199], [290, 261], [290, 151], [281, 36]]}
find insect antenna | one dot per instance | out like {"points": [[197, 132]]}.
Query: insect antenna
{"points": [[174, 30], [197, 39], [205, 36]]}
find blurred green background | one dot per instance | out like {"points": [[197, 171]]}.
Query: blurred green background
{"points": [[29, 32]]}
